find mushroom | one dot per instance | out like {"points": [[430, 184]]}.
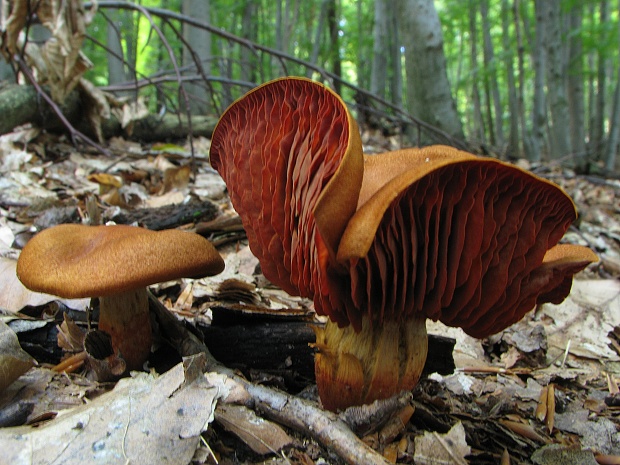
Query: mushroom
{"points": [[115, 263], [382, 242]]}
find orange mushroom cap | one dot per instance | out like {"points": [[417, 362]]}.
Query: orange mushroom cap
{"points": [[75, 261], [434, 231]]}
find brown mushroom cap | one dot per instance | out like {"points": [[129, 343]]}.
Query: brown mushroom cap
{"points": [[75, 261]]}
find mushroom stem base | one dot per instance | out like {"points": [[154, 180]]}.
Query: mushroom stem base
{"points": [[125, 317], [355, 368]]}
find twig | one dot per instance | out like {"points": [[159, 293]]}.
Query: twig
{"points": [[299, 414], [75, 134]]}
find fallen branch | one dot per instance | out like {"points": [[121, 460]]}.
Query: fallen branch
{"points": [[294, 412]]}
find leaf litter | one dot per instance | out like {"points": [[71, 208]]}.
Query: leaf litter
{"points": [[546, 387]]}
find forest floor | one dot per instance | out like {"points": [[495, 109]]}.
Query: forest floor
{"points": [[543, 391]]}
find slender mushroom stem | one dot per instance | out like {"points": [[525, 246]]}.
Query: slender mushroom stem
{"points": [[355, 368], [125, 317]]}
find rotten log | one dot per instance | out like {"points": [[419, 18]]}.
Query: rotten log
{"points": [[282, 347], [21, 104]]}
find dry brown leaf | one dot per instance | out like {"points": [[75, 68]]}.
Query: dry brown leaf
{"points": [[438, 449], [14, 296], [14, 361], [142, 420], [261, 435]]}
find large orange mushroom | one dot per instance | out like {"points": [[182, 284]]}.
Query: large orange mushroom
{"points": [[382, 242]]}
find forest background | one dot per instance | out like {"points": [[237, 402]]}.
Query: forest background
{"points": [[512, 78]]}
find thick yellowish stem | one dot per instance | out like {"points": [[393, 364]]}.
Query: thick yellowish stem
{"points": [[125, 317], [380, 361]]}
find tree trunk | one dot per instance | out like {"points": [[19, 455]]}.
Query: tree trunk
{"points": [[428, 90], [521, 68], [539, 115], [497, 137], [249, 32], [575, 89], [557, 79], [116, 56], [396, 54], [378, 75], [332, 21], [477, 132], [318, 34], [198, 63], [512, 149], [598, 123], [611, 149]]}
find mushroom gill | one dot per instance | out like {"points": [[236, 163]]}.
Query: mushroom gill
{"points": [[380, 243]]}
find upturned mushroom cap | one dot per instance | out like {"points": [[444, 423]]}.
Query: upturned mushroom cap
{"points": [[75, 261], [435, 232]]}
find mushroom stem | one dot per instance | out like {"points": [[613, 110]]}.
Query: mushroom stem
{"points": [[355, 368], [125, 317]]}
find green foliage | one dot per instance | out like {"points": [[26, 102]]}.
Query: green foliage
{"points": [[292, 27]]}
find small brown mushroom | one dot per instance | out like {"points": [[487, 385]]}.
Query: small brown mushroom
{"points": [[380, 243], [115, 263]]}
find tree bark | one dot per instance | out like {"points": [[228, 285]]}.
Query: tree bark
{"points": [[429, 96], [597, 126], [539, 114], [198, 63], [497, 136], [575, 89], [521, 79], [611, 149], [250, 32], [396, 54], [477, 132], [332, 22], [20, 104], [512, 148], [378, 75], [557, 80]]}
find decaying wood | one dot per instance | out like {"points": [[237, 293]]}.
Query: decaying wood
{"points": [[20, 104], [283, 347]]}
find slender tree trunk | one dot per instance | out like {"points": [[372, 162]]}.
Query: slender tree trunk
{"points": [[250, 32], [512, 149], [378, 75], [477, 130], [539, 115], [611, 149], [395, 47], [521, 80], [198, 64], [361, 65], [491, 74], [116, 56], [575, 89], [557, 82], [429, 95], [318, 33], [598, 124], [332, 21]]}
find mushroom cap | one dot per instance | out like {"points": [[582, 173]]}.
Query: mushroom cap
{"points": [[436, 231], [75, 261]]}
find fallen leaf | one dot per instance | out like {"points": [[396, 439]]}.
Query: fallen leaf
{"points": [[14, 361], [14, 296], [261, 435], [144, 420], [437, 449]]}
